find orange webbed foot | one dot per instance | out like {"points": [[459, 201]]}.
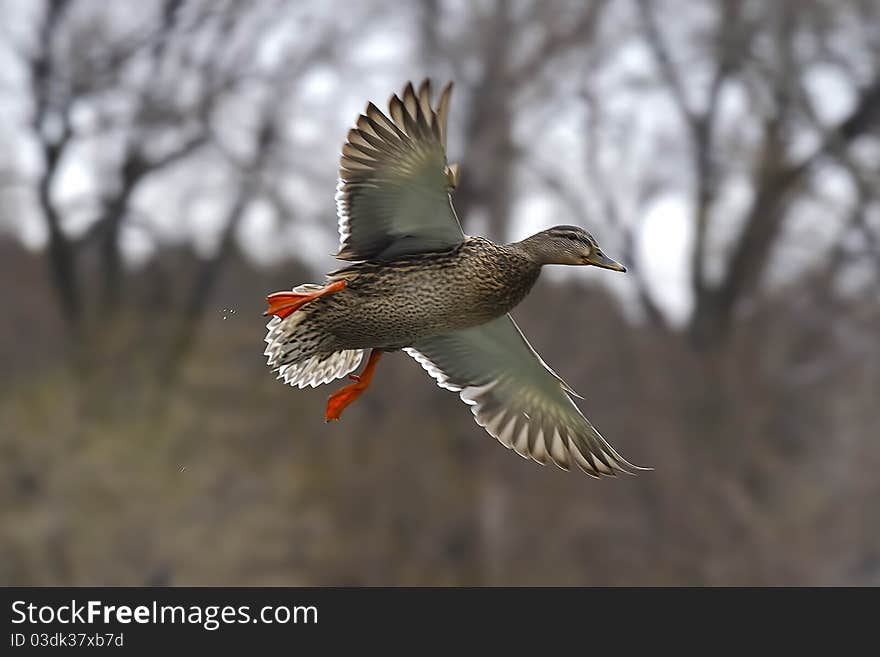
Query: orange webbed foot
{"points": [[282, 304], [340, 399]]}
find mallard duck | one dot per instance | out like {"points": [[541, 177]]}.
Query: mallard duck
{"points": [[419, 284]]}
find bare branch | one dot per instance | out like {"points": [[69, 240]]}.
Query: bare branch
{"points": [[664, 61], [64, 275], [775, 182], [559, 41], [602, 188]]}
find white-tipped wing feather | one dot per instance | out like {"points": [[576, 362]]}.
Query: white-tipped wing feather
{"points": [[516, 397], [393, 193]]}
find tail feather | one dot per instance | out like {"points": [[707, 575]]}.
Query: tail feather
{"points": [[296, 349], [321, 369]]}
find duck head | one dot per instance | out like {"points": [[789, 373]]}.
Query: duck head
{"points": [[566, 245]]}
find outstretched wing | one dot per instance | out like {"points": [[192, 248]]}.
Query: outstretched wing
{"points": [[516, 397], [393, 196]]}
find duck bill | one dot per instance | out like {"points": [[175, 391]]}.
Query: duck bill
{"points": [[605, 262]]}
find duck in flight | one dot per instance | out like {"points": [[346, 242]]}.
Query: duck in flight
{"points": [[417, 283]]}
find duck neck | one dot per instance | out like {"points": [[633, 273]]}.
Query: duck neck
{"points": [[533, 248]]}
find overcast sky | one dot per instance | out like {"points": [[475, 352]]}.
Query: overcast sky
{"points": [[640, 137]]}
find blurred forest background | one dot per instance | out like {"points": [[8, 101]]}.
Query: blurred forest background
{"points": [[169, 162]]}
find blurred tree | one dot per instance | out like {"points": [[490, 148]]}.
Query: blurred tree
{"points": [[151, 96], [754, 50], [493, 73]]}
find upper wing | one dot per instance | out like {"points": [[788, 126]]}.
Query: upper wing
{"points": [[394, 184], [516, 397]]}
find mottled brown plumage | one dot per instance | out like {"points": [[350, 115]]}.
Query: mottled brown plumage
{"points": [[417, 283], [392, 305]]}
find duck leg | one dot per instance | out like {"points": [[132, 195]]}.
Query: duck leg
{"points": [[282, 304], [340, 399]]}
